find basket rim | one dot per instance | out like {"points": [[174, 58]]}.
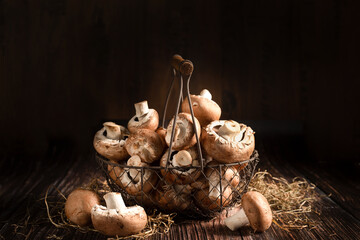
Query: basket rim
{"points": [[254, 157]]}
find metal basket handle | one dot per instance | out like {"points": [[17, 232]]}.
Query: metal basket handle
{"points": [[182, 69]]}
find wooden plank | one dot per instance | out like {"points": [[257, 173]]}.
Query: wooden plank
{"points": [[334, 221]]}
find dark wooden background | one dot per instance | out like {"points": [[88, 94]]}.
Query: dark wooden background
{"points": [[291, 67]]}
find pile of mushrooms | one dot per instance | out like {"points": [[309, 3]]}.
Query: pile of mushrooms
{"points": [[181, 184]]}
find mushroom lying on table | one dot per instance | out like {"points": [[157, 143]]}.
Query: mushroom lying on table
{"points": [[110, 141], [116, 218], [205, 109], [184, 134], [144, 118], [255, 212], [145, 143], [78, 206], [186, 160], [228, 141]]}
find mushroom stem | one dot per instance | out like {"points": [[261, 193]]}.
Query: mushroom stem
{"points": [[230, 130], [238, 220], [112, 130], [114, 200], [134, 172], [206, 94], [182, 159], [214, 191], [141, 108]]}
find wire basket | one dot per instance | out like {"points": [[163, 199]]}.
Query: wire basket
{"points": [[193, 191]]}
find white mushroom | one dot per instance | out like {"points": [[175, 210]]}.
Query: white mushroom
{"points": [[144, 118], [116, 218], [110, 141], [255, 212]]}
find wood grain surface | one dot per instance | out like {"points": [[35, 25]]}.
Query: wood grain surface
{"points": [[23, 188]]}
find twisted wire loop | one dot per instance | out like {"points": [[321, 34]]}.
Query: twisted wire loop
{"points": [[169, 197]]}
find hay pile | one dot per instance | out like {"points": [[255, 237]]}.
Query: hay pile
{"points": [[289, 201]]}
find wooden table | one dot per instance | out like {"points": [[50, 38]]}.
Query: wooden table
{"points": [[25, 179]]}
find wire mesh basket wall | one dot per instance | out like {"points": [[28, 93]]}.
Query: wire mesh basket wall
{"points": [[201, 189], [151, 187]]}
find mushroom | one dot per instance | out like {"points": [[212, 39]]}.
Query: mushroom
{"points": [[78, 206], [204, 201], [205, 109], [162, 133], [186, 162], [146, 144], [184, 135], [215, 189], [229, 177], [228, 141], [110, 141], [130, 179], [173, 197], [255, 211], [116, 218], [144, 118]]}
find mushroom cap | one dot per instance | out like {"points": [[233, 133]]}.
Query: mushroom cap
{"points": [[162, 133], [146, 144], [183, 175], [202, 199], [121, 177], [123, 222], [113, 149], [226, 151], [229, 174], [79, 204], [186, 137], [148, 121], [258, 210], [205, 110], [171, 199]]}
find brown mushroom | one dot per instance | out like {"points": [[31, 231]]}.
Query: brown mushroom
{"points": [[78, 206], [144, 118], [228, 141], [116, 218], [204, 201], [146, 144], [216, 189], [173, 197], [162, 133], [186, 161], [110, 141], [255, 211], [130, 179], [184, 135], [205, 109]]}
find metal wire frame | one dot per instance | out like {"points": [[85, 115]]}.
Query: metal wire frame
{"points": [[177, 74], [194, 209]]}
